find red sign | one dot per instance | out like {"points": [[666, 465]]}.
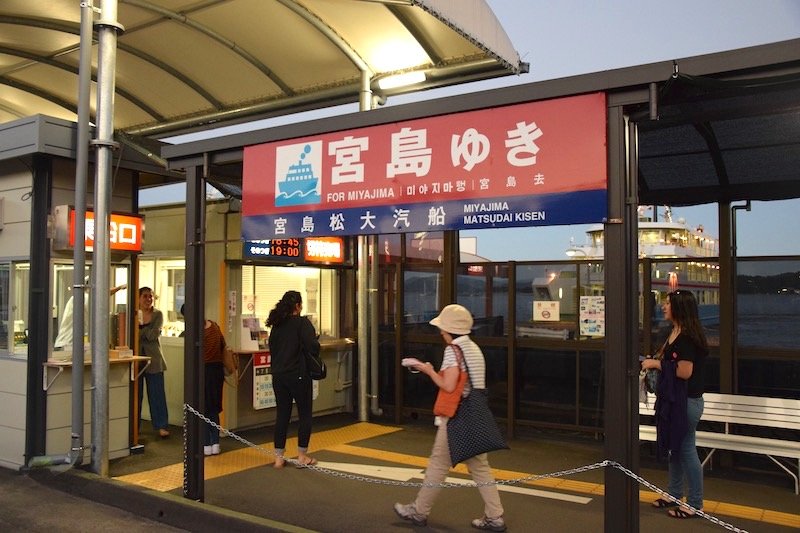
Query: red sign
{"points": [[125, 231], [262, 359], [534, 163]]}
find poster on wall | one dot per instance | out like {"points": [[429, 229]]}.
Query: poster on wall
{"points": [[529, 164], [263, 395], [593, 316]]}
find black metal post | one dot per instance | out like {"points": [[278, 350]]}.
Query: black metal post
{"points": [[621, 513]]}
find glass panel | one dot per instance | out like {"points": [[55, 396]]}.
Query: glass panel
{"points": [[418, 389], [546, 385], [387, 298], [426, 247], [497, 378], [264, 286], [119, 334], [766, 376], [768, 303], [20, 291], [421, 296], [591, 289], [547, 301], [699, 277], [5, 307], [389, 249], [590, 389], [386, 367], [167, 278], [483, 289], [62, 307]]}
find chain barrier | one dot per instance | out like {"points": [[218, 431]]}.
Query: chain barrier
{"points": [[450, 485]]}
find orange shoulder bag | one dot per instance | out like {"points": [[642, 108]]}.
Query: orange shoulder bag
{"points": [[447, 402]]}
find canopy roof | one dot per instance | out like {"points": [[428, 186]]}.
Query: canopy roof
{"points": [[720, 140], [184, 65], [727, 125]]}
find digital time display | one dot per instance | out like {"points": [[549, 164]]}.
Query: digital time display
{"points": [[309, 250], [290, 248]]}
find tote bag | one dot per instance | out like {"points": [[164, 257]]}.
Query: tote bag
{"points": [[473, 430]]}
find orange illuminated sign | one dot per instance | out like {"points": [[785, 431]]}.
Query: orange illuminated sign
{"points": [[125, 231], [325, 249]]}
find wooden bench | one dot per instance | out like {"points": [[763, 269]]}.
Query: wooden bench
{"points": [[736, 413]]}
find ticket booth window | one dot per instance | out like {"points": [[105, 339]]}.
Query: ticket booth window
{"points": [[14, 285], [263, 286], [5, 307], [62, 303]]}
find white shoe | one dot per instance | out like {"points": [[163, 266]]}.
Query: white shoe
{"points": [[206, 450], [215, 449]]}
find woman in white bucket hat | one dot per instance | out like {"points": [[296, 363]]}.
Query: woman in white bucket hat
{"points": [[455, 324]]}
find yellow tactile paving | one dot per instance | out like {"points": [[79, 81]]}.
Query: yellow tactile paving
{"points": [[170, 477], [782, 519], [337, 440]]}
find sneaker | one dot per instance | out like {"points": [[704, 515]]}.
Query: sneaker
{"points": [[215, 449], [490, 524], [409, 512], [206, 450]]}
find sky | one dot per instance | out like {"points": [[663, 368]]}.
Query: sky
{"points": [[572, 37]]}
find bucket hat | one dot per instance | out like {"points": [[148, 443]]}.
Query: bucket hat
{"points": [[454, 319]]}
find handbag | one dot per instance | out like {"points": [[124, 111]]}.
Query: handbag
{"points": [[230, 361], [447, 402], [315, 366], [473, 430], [651, 375]]}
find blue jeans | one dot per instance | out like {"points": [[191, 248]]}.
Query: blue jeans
{"points": [[156, 398], [212, 433], [687, 464]]}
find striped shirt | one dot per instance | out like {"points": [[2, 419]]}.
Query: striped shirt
{"points": [[213, 343], [473, 357]]}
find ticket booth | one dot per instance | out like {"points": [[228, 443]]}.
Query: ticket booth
{"points": [[243, 281], [37, 238]]}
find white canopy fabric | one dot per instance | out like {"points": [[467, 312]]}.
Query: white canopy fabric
{"points": [[184, 65]]}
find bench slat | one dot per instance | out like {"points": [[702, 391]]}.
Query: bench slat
{"points": [[778, 413], [737, 443]]}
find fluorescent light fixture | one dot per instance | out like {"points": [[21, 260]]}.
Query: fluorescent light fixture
{"points": [[401, 80]]}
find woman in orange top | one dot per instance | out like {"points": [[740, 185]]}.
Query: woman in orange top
{"points": [[213, 349]]}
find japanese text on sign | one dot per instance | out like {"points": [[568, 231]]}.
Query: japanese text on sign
{"points": [[536, 163]]}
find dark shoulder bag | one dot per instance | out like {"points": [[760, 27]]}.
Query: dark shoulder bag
{"points": [[315, 366], [473, 429]]}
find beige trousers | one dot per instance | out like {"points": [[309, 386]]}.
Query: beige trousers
{"points": [[439, 466]]}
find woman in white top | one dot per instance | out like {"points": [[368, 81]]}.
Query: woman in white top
{"points": [[455, 324]]}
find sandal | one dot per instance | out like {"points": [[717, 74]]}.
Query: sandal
{"points": [[279, 462], [306, 461], [680, 514], [661, 503]]}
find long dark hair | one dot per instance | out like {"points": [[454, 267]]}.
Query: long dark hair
{"points": [[284, 308], [683, 307]]}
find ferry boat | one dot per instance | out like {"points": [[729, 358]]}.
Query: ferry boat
{"points": [[681, 256], [657, 239], [299, 180]]}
